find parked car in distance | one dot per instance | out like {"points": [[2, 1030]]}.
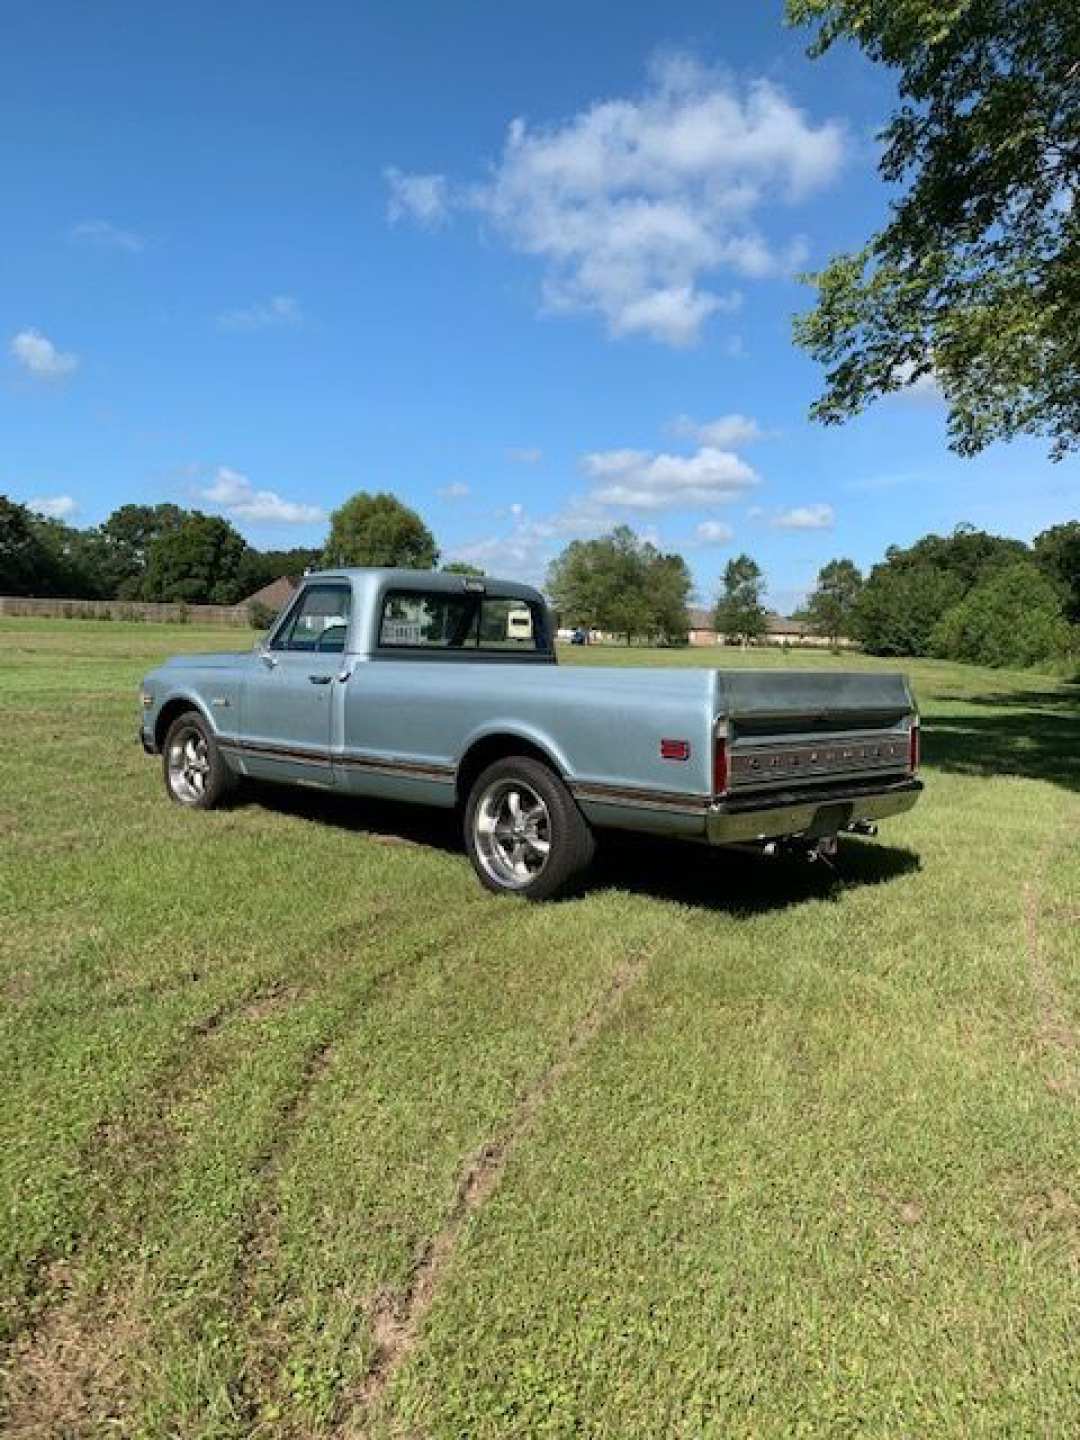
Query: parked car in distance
{"points": [[444, 690]]}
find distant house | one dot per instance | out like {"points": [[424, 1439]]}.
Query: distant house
{"points": [[702, 627], [779, 630], [276, 595]]}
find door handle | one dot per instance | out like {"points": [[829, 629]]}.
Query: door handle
{"points": [[320, 679], [268, 660]]}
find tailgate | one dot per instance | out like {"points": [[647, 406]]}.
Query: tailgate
{"points": [[802, 728]]}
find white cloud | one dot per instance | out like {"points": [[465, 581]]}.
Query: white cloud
{"points": [[236, 495], [278, 311], [106, 236], [805, 517], [713, 532], [456, 490], [422, 198], [40, 357], [531, 544], [528, 455], [634, 206], [54, 507], [642, 480], [725, 432]]}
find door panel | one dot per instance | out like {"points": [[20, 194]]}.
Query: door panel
{"points": [[286, 704], [285, 716]]}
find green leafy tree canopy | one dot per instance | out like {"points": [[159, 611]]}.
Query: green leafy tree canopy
{"points": [[622, 584], [462, 567], [126, 538], [1012, 617], [1057, 552], [198, 562], [379, 530], [974, 281], [740, 611], [830, 611]]}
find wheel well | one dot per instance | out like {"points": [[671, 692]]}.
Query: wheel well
{"points": [[496, 747], [169, 712]]}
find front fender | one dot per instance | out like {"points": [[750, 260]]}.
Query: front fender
{"points": [[157, 720]]}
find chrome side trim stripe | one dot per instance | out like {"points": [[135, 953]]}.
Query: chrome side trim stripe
{"points": [[640, 799], [377, 765], [405, 769], [276, 752]]}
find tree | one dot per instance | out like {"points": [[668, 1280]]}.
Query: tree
{"points": [[1057, 553], [379, 530], [899, 606], [740, 613], [1012, 617], [462, 567], [76, 562], [668, 584], [198, 562], [974, 281], [967, 554], [127, 536], [908, 593], [621, 584], [26, 567], [831, 608]]}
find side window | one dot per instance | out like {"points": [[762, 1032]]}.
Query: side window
{"points": [[318, 621]]}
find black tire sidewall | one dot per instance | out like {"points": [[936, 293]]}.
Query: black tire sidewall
{"points": [[572, 842], [220, 779]]}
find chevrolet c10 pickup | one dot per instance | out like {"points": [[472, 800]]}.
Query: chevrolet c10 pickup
{"points": [[444, 690]]}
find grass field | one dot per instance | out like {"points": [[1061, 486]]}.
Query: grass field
{"points": [[303, 1133]]}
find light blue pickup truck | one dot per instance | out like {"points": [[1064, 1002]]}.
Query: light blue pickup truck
{"points": [[444, 690]]}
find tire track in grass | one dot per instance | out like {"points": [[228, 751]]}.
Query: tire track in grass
{"points": [[259, 1244], [397, 1320], [80, 1332], [117, 1144]]}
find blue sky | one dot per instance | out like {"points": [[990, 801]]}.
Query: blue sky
{"points": [[533, 271]]}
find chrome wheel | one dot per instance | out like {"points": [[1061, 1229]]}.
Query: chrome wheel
{"points": [[512, 832], [189, 765]]}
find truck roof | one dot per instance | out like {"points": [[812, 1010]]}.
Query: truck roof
{"points": [[388, 577]]}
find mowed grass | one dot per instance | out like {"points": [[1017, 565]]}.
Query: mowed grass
{"points": [[302, 1133]]}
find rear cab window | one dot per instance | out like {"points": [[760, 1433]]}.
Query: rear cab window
{"points": [[469, 623]]}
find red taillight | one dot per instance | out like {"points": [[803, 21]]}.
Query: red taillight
{"points": [[720, 766], [913, 747]]}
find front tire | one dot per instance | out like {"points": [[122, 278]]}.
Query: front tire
{"points": [[524, 834], [194, 769]]}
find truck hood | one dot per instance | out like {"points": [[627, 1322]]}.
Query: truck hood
{"points": [[212, 660]]}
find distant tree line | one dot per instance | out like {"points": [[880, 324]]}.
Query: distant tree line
{"points": [[167, 553], [973, 596], [966, 596]]}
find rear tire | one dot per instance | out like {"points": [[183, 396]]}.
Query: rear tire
{"points": [[524, 833], [193, 767]]}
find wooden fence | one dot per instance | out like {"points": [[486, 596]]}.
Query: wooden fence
{"points": [[124, 610]]}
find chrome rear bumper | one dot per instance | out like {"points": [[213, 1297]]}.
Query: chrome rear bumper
{"points": [[826, 811]]}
